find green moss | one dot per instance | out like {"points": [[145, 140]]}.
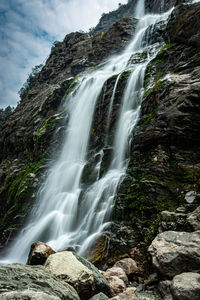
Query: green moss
{"points": [[164, 48], [148, 118], [18, 190]]}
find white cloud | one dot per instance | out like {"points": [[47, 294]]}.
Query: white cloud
{"points": [[28, 28]]}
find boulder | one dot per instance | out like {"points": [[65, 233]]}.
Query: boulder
{"points": [[27, 294], [175, 252], [116, 271], [99, 296], [128, 265], [116, 285], [128, 294], [190, 197], [39, 253], [78, 272], [18, 281], [193, 219], [164, 289], [186, 286]]}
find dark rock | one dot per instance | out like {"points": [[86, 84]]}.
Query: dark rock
{"points": [[183, 26], [19, 281], [39, 253], [159, 6], [175, 252], [186, 286], [193, 219], [164, 289]]}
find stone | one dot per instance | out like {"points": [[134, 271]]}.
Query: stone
{"points": [[128, 265], [39, 253], [164, 289], [190, 197], [193, 219], [175, 252], [78, 272], [181, 209], [99, 296], [172, 216], [18, 281], [116, 271], [116, 285], [128, 294], [27, 294], [186, 286]]}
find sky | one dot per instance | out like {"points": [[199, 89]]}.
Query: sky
{"points": [[28, 29]]}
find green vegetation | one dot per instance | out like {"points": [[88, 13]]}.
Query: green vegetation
{"points": [[27, 86], [4, 113]]}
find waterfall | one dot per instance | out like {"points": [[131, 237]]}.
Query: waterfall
{"points": [[61, 216]]}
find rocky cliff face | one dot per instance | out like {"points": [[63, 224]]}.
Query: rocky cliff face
{"points": [[127, 11], [28, 135], [165, 161]]}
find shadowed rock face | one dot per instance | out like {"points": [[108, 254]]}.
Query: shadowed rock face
{"points": [[183, 26]]}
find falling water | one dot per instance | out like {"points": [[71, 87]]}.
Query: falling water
{"points": [[63, 217]]}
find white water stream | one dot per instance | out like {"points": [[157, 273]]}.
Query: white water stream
{"points": [[62, 217]]}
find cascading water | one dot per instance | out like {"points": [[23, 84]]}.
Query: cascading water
{"points": [[60, 217]]}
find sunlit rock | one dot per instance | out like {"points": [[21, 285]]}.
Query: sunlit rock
{"points": [[78, 272]]}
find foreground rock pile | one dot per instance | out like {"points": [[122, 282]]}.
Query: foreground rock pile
{"points": [[66, 275]]}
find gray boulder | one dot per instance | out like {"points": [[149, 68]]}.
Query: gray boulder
{"points": [[19, 281], [176, 252], [186, 286]]}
